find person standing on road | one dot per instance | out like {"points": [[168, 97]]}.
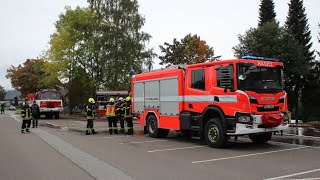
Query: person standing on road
{"points": [[128, 115], [90, 109], [26, 117], [2, 108], [35, 110], [120, 114], [111, 116]]}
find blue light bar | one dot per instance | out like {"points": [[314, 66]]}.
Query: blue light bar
{"points": [[260, 58]]}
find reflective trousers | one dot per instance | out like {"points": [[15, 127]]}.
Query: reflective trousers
{"points": [[113, 124]]}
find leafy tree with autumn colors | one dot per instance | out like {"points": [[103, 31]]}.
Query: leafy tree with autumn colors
{"points": [[29, 77], [191, 49]]}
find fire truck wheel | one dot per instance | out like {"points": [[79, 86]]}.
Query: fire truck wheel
{"points": [[214, 133], [260, 138], [152, 126]]}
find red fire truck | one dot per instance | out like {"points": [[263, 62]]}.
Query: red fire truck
{"points": [[213, 100], [49, 102], [103, 97]]}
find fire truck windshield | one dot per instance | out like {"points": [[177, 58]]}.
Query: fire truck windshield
{"points": [[259, 79], [49, 95]]}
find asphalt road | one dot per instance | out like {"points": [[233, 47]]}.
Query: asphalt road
{"points": [[26, 156], [106, 156]]}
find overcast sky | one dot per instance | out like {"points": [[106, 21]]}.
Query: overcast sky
{"points": [[26, 26]]}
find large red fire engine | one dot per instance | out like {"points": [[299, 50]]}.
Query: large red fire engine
{"points": [[213, 100], [49, 102]]}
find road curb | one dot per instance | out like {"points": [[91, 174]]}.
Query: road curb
{"points": [[304, 126]]}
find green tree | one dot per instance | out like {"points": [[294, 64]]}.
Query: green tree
{"points": [[2, 93], [262, 41], [121, 42], [191, 49], [297, 23], [266, 12], [311, 92], [71, 54]]}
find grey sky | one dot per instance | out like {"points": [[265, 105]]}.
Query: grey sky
{"points": [[26, 26]]}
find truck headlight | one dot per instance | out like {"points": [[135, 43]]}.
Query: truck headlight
{"points": [[243, 118]]}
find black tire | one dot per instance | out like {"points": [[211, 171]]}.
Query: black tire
{"points": [[152, 126], [214, 133], [260, 138]]}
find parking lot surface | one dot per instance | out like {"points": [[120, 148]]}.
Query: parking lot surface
{"points": [[175, 157]]}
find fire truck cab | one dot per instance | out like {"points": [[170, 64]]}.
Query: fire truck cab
{"points": [[213, 100]]}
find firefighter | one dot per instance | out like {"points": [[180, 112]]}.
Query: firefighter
{"points": [[26, 117], [35, 110], [111, 116], [128, 115], [90, 109], [2, 108], [120, 114]]}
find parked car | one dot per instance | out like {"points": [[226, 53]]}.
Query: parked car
{"points": [[13, 108]]}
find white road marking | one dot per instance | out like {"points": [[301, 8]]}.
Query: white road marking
{"points": [[173, 149], [141, 142], [247, 155], [296, 174], [313, 137]]}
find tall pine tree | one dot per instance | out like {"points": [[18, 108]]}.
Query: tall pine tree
{"points": [[266, 12], [297, 24]]}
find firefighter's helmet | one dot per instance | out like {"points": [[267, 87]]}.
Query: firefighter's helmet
{"points": [[111, 100], [128, 98], [121, 99], [91, 100]]}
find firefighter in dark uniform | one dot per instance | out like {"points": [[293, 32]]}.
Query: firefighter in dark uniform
{"points": [[128, 115], [26, 117], [111, 116], [120, 114], [90, 109]]}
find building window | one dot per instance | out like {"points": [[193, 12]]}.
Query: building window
{"points": [[198, 79]]}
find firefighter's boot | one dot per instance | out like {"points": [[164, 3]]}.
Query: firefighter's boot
{"points": [[121, 131], [87, 132], [116, 131], [94, 132], [110, 131], [22, 131]]}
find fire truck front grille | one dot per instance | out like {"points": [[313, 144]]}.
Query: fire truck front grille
{"points": [[261, 109]]}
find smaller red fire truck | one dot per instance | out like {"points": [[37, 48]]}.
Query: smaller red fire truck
{"points": [[213, 100], [103, 97], [49, 102]]}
